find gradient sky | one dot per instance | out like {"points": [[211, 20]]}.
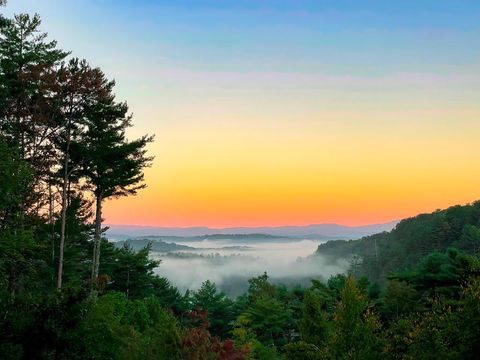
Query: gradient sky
{"points": [[288, 112]]}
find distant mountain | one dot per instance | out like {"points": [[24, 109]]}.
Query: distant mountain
{"points": [[236, 238], [316, 231], [157, 245]]}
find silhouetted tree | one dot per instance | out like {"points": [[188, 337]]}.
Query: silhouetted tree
{"points": [[27, 108], [112, 164], [79, 87]]}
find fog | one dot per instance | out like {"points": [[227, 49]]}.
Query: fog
{"points": [[286, 262]]}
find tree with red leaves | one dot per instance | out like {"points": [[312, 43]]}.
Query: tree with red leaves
{"points": [[199, 344]]}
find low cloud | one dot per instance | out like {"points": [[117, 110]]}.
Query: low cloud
{"points": [[282, 261]]}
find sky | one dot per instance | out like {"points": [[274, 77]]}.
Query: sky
{"points": [[287, 112]]}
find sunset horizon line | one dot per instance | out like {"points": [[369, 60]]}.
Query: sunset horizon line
{"points": [[254, 226], [306, 224]]}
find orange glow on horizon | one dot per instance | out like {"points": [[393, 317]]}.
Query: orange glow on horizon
{"points": [[269, 113], [304, 172]]}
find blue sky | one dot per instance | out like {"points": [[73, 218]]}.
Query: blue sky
{"points": [[339, 36], [374, 106]]}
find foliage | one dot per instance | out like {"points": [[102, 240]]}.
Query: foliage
{"points": [[218, 306], [199, 344], [302, 351], [410, 241], [129, 329], [356, 333], [313, 323]]}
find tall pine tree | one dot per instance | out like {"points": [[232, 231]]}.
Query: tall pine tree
{"points": [[79, 88], [27, 81], [113, 165]]}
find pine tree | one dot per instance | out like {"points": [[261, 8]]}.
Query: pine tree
{"points": [[355, 334], [78, 87], [218, 306], [27, 107], [112, 164], [24, 57], [313, 323]]}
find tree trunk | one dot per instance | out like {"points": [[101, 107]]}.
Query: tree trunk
{"points": [[64, 214], [62, 231], [97, 236], [51, 222]]}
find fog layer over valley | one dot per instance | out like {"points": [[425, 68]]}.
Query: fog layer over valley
{"points": [[231, 256], [230, 261]]}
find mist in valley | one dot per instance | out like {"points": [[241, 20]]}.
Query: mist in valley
{"points": [[230, 263]]}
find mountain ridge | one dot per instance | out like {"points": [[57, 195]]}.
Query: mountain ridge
{"points": [[326, 230]]}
